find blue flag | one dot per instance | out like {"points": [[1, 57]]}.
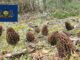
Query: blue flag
{"points": [[8, 13]]}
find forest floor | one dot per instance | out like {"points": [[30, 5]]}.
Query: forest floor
{"points": [[41, 50]]}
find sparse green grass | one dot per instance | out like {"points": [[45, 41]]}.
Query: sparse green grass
{"points": [[61, 14]]}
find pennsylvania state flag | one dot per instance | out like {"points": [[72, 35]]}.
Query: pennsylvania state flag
{"points": [[8, 13]]}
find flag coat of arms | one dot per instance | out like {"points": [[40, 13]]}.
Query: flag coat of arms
{"points": [[8, 13]]}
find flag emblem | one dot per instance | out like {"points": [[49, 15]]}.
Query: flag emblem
{"points": [[8, 13]]}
